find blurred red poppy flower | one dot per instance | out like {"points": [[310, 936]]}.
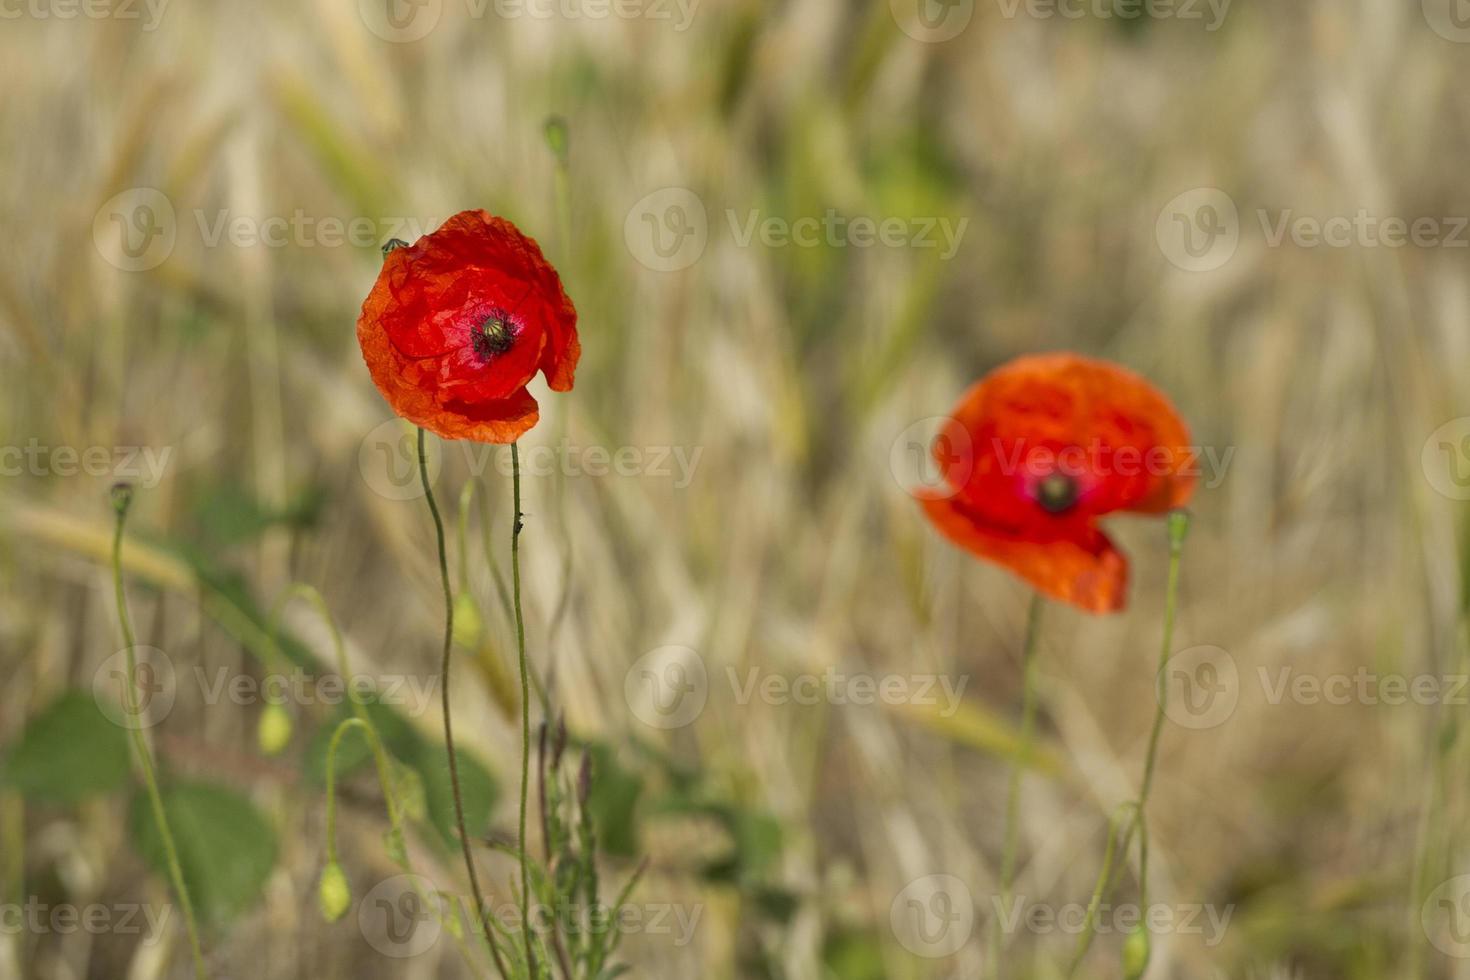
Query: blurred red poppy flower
{"points": [[1041, 448], [459, 323]]}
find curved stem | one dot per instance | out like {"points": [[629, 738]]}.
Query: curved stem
{"points": [[302, 590], [1178, 528], [1104, 878], [464, 838], [1178, 525], [515, 577], [122, 496], [332, 746], [1020, 762]]}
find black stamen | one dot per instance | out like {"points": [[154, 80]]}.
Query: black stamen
{"points": [[494, 335], [1056, 492]]}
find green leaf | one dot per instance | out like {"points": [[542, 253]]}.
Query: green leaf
{"points": [[855, 956], [614, 802], [355, 751], [478, 790], [226, 846], [68, 752]]}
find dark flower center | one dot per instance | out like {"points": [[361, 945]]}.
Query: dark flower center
{"points": [[494, 335], [1056, 493]]}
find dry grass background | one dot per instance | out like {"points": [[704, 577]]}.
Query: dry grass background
{"points": [[792, 371]]}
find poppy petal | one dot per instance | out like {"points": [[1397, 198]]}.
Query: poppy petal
{"points": [[459, 322], [1106, 426], [1082, 568]]}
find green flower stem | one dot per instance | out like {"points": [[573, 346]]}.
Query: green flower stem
{"points": [[515, 577], [1178, 529], [461, 533], [1104, 878], [332, 746], [481, 910], [122, 497], [1018, 765], [302, 590]]}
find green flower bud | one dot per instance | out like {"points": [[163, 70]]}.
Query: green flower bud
{"points": [[468, 626], [556, 136], [334, 894], [121, 495], [393, 844], [274, 731], [1178, 527], [1136, 951], [408, 790]]}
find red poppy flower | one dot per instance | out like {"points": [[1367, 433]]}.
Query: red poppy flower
{"points": [[459, 323], [1041, 448]]}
